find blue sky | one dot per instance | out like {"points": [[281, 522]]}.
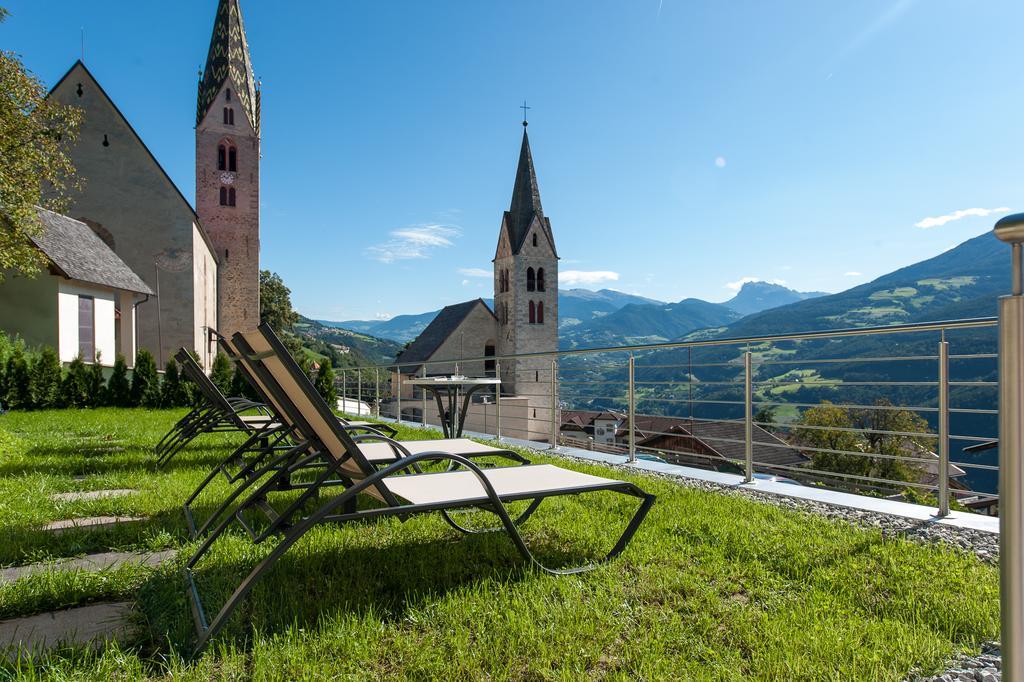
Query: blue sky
{"points": [[681, 147]]}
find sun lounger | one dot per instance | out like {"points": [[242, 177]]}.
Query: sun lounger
{"points": [[218, 413], [402, 487], [248, 466]]}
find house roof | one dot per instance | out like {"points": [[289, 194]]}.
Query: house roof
{"points": [[78, 253], [229, 58], [138, 138], [724, 437], [525, 205], [431, 338]]}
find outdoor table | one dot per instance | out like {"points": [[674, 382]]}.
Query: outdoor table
{"points": [[453, 420]]}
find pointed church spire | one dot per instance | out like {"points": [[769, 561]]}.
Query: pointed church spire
{"points": [[525, 196], [228, 58]]}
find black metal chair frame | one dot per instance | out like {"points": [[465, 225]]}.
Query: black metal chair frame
{"points": [[291, 525], [218, 414]]}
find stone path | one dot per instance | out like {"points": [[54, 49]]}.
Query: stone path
{"points": [[90, 562], [83, 626], [78, 496], [90, 523]]}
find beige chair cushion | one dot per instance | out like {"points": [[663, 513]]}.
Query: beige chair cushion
{"points": [[382, 452], [462, 486]]}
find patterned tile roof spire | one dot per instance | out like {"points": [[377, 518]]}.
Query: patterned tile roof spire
{"points": [[525, 198], [229, 58]]}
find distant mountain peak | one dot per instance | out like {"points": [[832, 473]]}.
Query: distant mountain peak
{"points": [[753, 297]]}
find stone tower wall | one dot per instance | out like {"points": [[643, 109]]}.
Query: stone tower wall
{"points": [[234, 230]]}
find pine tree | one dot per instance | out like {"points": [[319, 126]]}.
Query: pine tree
{"points": [[74, 389], [240, 386], [46, 379], [172, 393], [145, 381], [119, 392], [95, 387], [324, 383], [220, 374], [19, 394]]}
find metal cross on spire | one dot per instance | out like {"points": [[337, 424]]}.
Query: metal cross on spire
{"points": [[524, 108]]}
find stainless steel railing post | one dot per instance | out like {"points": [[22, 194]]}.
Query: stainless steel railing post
{"points": [[359, 392], [748, 419], [344, 391], [398, 396], [376, 392], [423, 396], [1011, 458], [554, 403], [944, 428], [631, 407], [497, 400]]}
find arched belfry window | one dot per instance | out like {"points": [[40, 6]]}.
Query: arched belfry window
{"points": [[229, 116], [222, 157], [540, 312], [531, 280], [540, 279], [533, 313], [535, 239], [232, 159]]}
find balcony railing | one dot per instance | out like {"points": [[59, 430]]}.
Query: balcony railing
{"points": [[876, 410]]}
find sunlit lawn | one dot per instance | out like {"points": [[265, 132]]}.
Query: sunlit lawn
{"points": [[712, 587]]}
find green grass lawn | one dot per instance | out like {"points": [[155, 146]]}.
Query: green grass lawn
{"points": [[712, 587]]}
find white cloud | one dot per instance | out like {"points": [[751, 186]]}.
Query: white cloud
{"points": [[465, 282], [852, 273], [586, 277], [720, 161], [475, 272], [414, 241], [382, 316], [737, 285], [938, 221]]}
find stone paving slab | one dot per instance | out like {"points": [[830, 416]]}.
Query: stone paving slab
{"points": [[90, 562], [82, 626], [78, 496], [90, 523]]}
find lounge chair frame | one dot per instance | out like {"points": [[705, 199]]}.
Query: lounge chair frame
{"points": [[291, 525]]}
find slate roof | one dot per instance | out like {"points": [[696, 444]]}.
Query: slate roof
{"points": [[526, 204], [431, 338], [724, 437], [229, 57], [78, 253]]}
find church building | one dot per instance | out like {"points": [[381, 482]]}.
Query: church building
{"points": [[202, 262], [525, 315]]}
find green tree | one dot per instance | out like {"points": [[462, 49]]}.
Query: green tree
{"points": [[46, 377], [35, 169], [220, 373], [276, 302], [96, 389], [765, 418], [19, 393], [119, 393], [324, 383], [173, 392], [145, 391], [74, 389], [823, 428], [240, 386]]}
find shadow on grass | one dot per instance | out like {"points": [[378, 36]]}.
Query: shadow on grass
{"points": [[325, 576]]}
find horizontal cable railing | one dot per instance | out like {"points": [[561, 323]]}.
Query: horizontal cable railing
{"points": [[873, 410]]}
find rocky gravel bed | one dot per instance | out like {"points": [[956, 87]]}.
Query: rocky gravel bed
{"points": [[983, 668]]}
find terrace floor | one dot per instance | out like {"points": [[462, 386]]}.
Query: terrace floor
{"points": [[712, 587]]}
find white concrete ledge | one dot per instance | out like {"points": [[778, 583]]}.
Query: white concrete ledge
{"points": [[918, 512]]}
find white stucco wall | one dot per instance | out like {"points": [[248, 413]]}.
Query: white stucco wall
{"points": [[204, 273], [67, 321]]}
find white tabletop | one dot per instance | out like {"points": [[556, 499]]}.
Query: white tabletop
{"points": [[453, 381]]}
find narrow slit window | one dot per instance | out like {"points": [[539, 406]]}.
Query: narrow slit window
{"points": [[222, 158], [227, 94], [535, 239], [533, 313], [231, 196], [223, 196], [540, 312], [87, 328], [540, 279]]}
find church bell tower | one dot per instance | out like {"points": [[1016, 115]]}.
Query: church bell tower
{"points": [[526, 289], [228, 168]]}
